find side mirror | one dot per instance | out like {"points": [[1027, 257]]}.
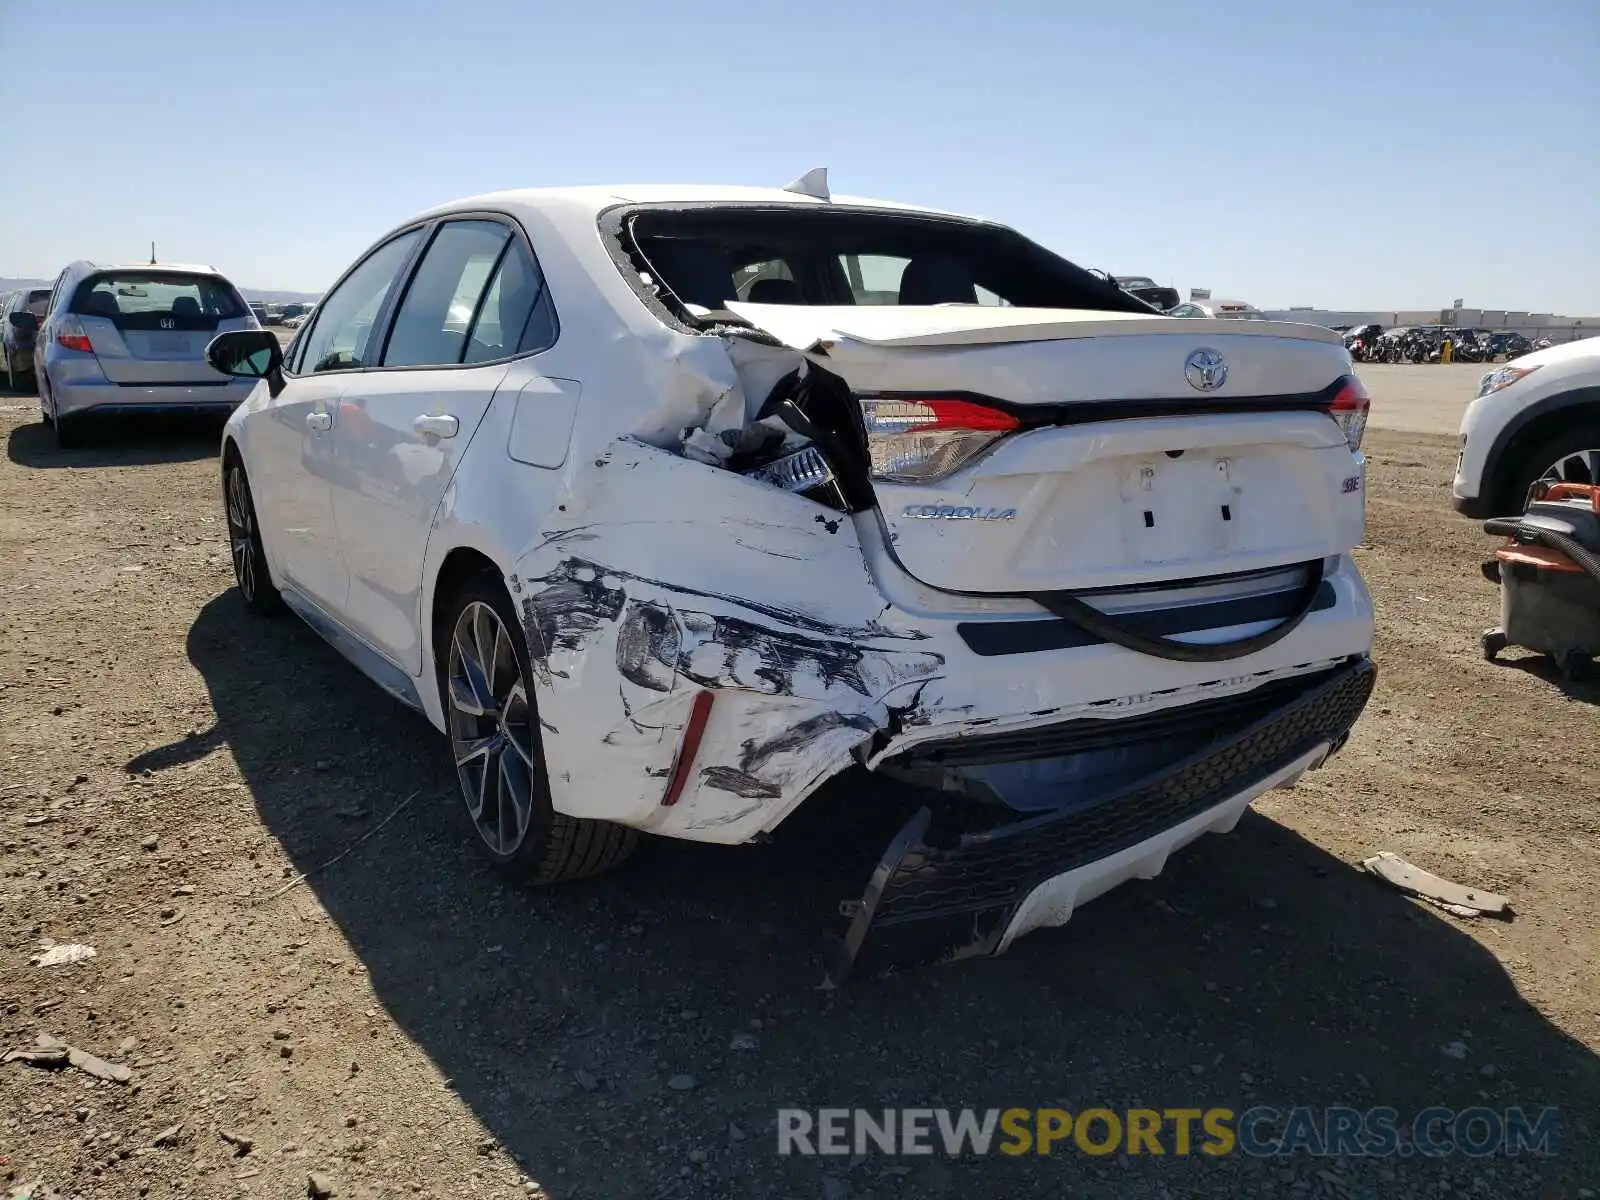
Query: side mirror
{"points": [[24, 321], [248, 354]]}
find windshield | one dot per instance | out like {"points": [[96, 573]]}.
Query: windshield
{"points": [[158, 299], [706, 257]]}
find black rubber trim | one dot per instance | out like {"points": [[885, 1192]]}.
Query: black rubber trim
{"points": [[991, 639], [1122, 631], [1221, 718], [177, 383]]}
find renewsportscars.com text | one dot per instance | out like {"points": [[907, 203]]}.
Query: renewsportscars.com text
{"points": [[1261, 1132]]}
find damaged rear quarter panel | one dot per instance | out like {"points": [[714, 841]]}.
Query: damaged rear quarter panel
{"points": [[665, 577]]}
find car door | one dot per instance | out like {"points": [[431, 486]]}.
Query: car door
{"points": [[290, 437], [473, 304]]}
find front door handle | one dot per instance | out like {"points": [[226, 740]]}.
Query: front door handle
{"points": [[439, 425], [320, 421]]}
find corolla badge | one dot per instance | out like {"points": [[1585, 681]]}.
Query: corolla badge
{"points": [[957, 512], [1205, 369]]}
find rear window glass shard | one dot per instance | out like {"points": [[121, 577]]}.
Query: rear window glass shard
{"points": [[699, 258], [158, 299]]}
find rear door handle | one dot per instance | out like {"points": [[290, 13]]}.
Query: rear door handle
{"points": [[320, 421], [439, 425]]}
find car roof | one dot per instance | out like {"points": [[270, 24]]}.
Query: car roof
{"points": [[586, 203], [170, 268]]}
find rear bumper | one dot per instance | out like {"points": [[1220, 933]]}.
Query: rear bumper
{"points": [[941, 894], [107, 398]]}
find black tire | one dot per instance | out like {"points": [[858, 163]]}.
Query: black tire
{"points": [[69, 432], [1530, 464], [251, 573], [551, 847], [1493, 641]]}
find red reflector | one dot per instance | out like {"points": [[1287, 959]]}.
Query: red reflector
{"points": [[693, 731], [75, 341], [964, 414]]}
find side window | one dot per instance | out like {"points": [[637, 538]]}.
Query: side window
{"points": [[516, 316], [440, 306], [340, 338], [54, 292]]}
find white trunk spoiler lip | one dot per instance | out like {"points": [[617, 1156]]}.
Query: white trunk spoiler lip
{"points": [[809, 327]]}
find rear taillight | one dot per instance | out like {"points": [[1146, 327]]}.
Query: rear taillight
{"points": [[70, 334], [928, 438], [1349, 409]]}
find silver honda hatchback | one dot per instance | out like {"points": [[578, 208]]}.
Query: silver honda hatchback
{"points": [[133, 339]]}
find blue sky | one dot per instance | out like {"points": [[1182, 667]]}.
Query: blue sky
{"points": [[1345, 154]]}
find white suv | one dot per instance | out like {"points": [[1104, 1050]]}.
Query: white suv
{"points": [[668, 504], [1536, 417]]}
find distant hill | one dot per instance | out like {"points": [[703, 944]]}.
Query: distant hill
{"points": [[260, 294]]}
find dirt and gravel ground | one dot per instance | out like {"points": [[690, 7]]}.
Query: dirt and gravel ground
{"points": [[406, 1023]]}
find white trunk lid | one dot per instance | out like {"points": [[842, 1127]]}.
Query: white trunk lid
{"points": [[1139, 477]]}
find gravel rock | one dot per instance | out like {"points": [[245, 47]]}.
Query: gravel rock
{"points": [[683, 1083]]}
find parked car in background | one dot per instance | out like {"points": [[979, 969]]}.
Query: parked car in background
{"points": [[1362, 341], [626, 491], [1536, 418], [16, 339], [132, 339], [1467, 344], [1222, 310], [259, 311], [1148, 290], [1508, 345]]}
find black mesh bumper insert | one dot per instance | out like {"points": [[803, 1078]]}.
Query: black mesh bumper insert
{"points": [[929, 903]]}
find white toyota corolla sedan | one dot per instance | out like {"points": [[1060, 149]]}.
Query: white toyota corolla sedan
{"points": [[667, 504]]}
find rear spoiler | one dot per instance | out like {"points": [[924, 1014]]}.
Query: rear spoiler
{"points": [[810, 327]]}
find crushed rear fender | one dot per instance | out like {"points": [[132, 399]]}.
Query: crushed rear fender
{"points": [[667, 578]]}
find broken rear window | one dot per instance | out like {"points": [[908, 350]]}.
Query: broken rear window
{"points": [[702, 258]]}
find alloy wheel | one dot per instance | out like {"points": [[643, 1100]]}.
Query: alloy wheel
{"points": [[1576, 466], [241, 532], [491, 728]]}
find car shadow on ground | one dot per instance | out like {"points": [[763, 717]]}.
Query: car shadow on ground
{"points": [[119, 441], [1584, 687], [1257, 970]]}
